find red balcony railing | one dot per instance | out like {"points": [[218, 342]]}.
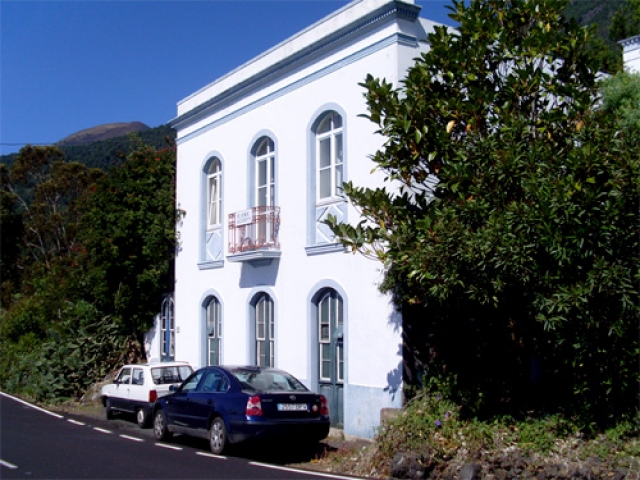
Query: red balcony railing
{"points": [[254, 229]]}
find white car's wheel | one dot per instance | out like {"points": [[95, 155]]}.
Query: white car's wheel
{"points": [[108, 411], [142, 418]]}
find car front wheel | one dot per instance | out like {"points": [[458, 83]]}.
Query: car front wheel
{"points": [[160, 430], [218, 439]]}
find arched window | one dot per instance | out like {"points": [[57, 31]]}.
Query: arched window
{"points": [[330, 333], [214, 193], [214, 331], [167, 329], [329, 156], [265, 168], [264, 328], [331, 366], [327, 172], [211, 213]]}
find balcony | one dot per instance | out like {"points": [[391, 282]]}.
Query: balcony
{"points": [[253, 235]]}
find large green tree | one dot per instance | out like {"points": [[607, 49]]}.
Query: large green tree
{"points": [[42, 199], [129, 237], [91, 261], [53, 342], [509, 230], [50, 194]]}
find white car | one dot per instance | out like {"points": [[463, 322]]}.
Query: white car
{"points": [[137, 387]]}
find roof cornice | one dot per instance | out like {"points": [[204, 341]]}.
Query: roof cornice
{"points": [[397, 8], [629, 41]]}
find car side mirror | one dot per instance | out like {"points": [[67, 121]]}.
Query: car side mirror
{"points": [[173, 388]]}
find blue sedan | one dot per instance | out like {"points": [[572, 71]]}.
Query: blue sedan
{"points": [[229, 405]]}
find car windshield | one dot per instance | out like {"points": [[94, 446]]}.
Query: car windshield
{"points": [[268, 380], [170, 374]]}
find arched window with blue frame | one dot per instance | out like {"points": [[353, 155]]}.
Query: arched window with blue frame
{"points": [[167, 330]]}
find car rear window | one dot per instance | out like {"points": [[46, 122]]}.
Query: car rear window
{"points": [[268, 381], [170, 374]]}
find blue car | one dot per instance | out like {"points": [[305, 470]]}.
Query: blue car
{"points": [[228, 405]]}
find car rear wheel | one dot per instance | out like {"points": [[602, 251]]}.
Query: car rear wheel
{"points": [[142, 418], [160, 430], [218, 439], [108, 411]]}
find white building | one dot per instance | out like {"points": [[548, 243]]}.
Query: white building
{"points": [[262, 154], [631, 53]]}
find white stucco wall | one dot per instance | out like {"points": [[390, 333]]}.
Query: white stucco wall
{"points": [[284, 108]]}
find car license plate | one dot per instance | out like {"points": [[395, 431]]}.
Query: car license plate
{"points": [[293, 407]]}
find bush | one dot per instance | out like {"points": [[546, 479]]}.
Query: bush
{"points": [[432, 426], [80, 350]]}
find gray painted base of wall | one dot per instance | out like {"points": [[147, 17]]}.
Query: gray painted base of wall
{"points": [[362, 406]]}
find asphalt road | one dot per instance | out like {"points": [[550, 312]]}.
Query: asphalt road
{"points": [[38, 444]]}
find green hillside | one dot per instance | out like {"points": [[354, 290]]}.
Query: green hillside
{"points": [[102, 154], [613, 20], [595, 12]]}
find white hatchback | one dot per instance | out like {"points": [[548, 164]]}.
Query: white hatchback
{"points": [[137, 387]]}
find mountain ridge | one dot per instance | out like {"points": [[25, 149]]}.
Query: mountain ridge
{"points": [[102, 132], [109, 151]]}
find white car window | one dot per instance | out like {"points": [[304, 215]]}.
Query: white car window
{"points": [[184, 372], [124, 376], [138, 377], [170, 374]]}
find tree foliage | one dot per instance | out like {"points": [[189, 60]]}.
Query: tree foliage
{"points": [[57, 189], [621, 97], [78, 350], [611, 21], [106, 153], [90, 260], [129, 237], [42, 200], [509, 230], [11, 234], [626, 21]]}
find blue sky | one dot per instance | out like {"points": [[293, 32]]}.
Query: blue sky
{"points": [[74, 64]]}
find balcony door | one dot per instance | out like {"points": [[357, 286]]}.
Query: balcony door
{"points": [[265, 173]]}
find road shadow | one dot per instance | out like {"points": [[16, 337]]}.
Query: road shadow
{"points": [[274, 451]]}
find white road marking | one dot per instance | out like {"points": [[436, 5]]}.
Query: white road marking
{"points": [[102, 430], [205, 454], [8, 465], [171, 447], [31, 405], [305, 472]]}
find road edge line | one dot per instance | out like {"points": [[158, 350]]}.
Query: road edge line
{"points": [[31, 405]]}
